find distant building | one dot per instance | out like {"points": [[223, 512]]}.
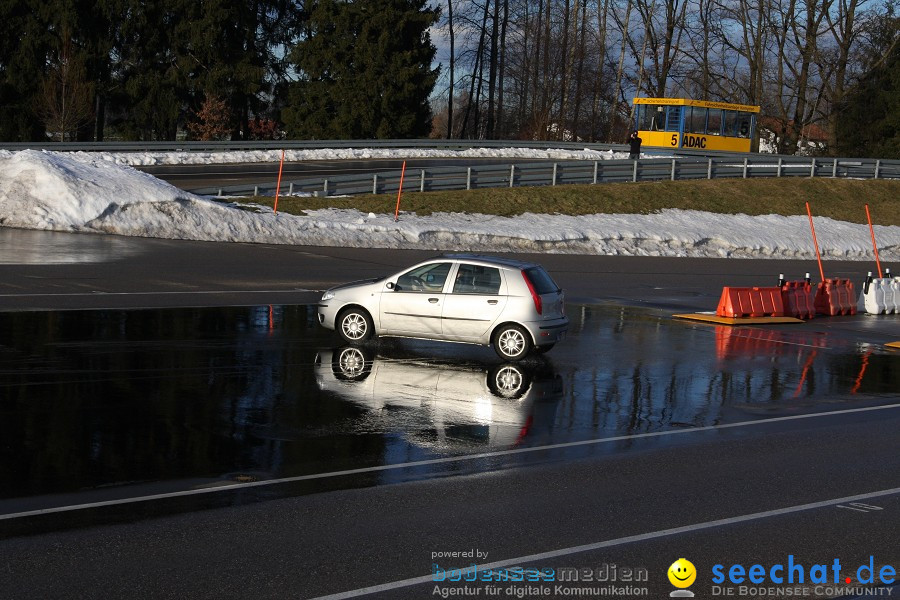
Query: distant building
{"points": [[813, 138]]}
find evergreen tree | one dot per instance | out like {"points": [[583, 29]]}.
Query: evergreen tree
{"points": [[33, 34], [25, 46], [364, 71], [870, 113], [151, 88], [172, 54], [229, 49]]}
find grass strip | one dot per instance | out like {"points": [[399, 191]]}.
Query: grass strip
{"points": [[841, 199]]}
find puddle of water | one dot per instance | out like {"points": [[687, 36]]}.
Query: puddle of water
{"points": [[22, 247], [90, 399]]}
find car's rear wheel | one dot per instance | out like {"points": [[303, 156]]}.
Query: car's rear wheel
{"points": [[508, 381], [512, 342], [355, 325]]}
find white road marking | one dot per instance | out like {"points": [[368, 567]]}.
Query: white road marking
{"points": [[437, 461], [518, 561]]}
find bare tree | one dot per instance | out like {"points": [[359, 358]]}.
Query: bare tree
{"points": [[617, 94], [663, 39], [796, 26], [67, 100], [750, 17], [452, 67], [502, 66], [844, 29]]}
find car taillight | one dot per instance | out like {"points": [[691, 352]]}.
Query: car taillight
{"points": [[538, 304]]}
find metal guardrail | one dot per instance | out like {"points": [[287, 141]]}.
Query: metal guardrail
{"points": [[573, 172]]}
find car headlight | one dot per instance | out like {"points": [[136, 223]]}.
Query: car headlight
{"points": [[327, 295]]}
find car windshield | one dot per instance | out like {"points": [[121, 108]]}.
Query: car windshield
{"points": [[542, 282], [427, 278]]}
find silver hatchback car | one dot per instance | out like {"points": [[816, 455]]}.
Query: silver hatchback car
{"points": [[514, 305]]}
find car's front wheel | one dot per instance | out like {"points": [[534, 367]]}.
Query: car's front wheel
{"points": [[355, 325], [512, 342]]}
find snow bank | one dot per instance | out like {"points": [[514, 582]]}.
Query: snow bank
{"points": [[44, 190], [273, 156], [48, 190]]}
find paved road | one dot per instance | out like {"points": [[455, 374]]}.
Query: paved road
{"points": [[807, 483], [754, 494]]}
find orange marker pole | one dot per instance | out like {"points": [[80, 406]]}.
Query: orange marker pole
{"points": [[278, 188], [400, 193], [874, 245], [815, 242]]}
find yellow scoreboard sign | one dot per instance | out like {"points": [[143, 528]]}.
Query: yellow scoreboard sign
{"points": [[694, 141], [731, 126]]}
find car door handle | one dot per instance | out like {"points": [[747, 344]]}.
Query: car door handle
{"points": [[433, 300], [492, 301]]}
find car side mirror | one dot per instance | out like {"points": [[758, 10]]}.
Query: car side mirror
{"points": [[389, 285]]}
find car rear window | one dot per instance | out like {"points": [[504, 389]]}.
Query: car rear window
{"points": [[542, 282]]}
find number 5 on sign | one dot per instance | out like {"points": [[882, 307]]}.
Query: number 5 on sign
{"points": [[674, 139]]}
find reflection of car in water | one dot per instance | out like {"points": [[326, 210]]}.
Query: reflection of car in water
{"points": [[440, 404]]}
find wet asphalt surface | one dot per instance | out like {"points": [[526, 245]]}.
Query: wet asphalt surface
{"points": [[227, 447]]}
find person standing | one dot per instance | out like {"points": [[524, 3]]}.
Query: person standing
{"points": [[635, 143]]}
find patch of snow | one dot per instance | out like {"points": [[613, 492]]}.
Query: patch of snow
{"points": [[274, 156]]}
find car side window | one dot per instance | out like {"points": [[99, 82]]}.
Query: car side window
{"points": [[426, 279], [476, 279]]}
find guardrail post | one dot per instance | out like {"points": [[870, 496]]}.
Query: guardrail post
{"points": [[422, 182], [291, 189], [778, 174], [512, 174], [834, 169], [745, 167], [325, 188], [812, 168], [709, 169], [375, 183], [468, 178], [255, 190], [634, 172], [220, 192], [673, 170], [877, 168], [596, 166], [555, 165]]}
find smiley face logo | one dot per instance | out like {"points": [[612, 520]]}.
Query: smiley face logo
{"points": [[682, 573]]}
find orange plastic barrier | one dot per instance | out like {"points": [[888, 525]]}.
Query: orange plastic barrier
{"points": [[798, 299], [835, 297], [750, 302]]}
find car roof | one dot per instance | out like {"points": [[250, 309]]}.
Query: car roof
{"points": [[490, 260]]}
